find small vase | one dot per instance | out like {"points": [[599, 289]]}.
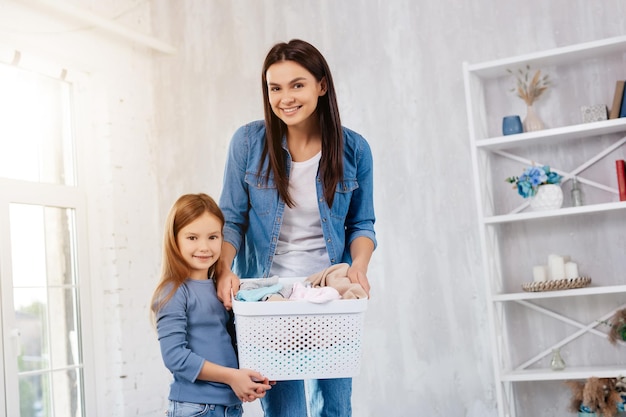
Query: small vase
{"points": [[557, 363], [532, 122], [512, 125], [548, 197]]}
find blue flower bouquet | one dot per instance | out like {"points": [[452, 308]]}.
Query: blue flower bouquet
{"points": [[532, 178]]}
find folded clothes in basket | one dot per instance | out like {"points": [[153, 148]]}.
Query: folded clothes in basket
{"points": [[336, 277], [263, 290], [315, 295], [329, 284], [258, 294]]}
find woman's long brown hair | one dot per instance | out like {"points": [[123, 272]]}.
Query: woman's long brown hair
{"points": [[331, 164], [175, 270]]}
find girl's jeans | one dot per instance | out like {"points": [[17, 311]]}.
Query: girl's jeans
{"points": [[328, 398], [184, 409]]}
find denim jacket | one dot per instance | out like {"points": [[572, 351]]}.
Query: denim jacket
{"points": [[253, 209]]}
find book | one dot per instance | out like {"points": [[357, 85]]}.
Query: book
{"points": [[620, 167], [622, 112], [618, 98]]}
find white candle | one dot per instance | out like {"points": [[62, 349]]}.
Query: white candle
{"points": [[571, 270], [540, 273], [556, 266]]}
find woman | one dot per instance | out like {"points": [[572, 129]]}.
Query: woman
{"points": [[297, 198]]}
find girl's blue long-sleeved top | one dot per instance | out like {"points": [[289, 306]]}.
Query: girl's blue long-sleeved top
{"points": [[191, 329], [253, 208]]}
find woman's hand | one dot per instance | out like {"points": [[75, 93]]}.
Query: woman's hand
{"points": [[361, 250], [359, 276], [227, 281], [227, 286]]}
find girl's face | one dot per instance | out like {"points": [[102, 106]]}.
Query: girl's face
{"points": [[200, 243], [293, 92]]}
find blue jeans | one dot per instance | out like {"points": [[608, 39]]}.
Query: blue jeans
{"points": [[327, 398], [184, 409]]}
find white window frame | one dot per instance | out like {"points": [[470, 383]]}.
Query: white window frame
{"points": [[54, 195]]}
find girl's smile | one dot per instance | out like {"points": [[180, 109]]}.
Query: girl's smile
{"points": [[200, 244]]}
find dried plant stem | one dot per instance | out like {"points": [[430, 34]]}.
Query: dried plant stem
{"points": [[530, 90]]}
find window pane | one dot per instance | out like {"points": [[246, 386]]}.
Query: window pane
{"points": [[42, 243], [66, 393], [45, 296], [31, 320], [51, 394], [48, 329], [28, 246], [35, 127], [32, 401], [63, 339]]}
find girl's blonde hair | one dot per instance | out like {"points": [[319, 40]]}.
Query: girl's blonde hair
{"points": [[175, 270]]}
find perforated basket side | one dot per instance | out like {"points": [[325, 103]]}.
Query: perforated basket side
{"points": [[284, 347]]}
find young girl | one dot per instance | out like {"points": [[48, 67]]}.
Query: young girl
{"points": [[191, 322], [297, 198]]}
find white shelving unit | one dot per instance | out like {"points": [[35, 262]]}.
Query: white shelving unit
{"points": [[527, 326]]}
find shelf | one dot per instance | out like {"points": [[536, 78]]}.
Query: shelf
{"points": [[555, 135], [563, 55], [591, 290], [572, 149], [566, 374], [568, 211]]}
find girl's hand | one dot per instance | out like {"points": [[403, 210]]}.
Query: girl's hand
{"points": [[249, 385]]}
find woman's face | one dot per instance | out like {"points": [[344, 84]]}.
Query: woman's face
{"points": [[293, 92]]}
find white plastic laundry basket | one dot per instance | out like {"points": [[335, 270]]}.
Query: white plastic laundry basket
{"points": [[286, 340]]}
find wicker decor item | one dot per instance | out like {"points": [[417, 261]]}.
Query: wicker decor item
{"points": [[557, 284]]}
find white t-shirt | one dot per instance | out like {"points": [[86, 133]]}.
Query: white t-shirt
{"points": [[301, 250]]}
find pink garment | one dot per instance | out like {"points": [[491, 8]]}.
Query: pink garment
{"points": [[315, 295], [336, 277]]}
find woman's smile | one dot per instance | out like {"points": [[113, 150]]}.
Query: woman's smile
{"points": [[288, 111]]}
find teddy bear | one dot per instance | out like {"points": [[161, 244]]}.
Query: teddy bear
{"points": [[597, 395]]}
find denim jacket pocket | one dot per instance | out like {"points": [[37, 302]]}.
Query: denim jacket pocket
{"points": [[343, 196], [262, 192]]}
